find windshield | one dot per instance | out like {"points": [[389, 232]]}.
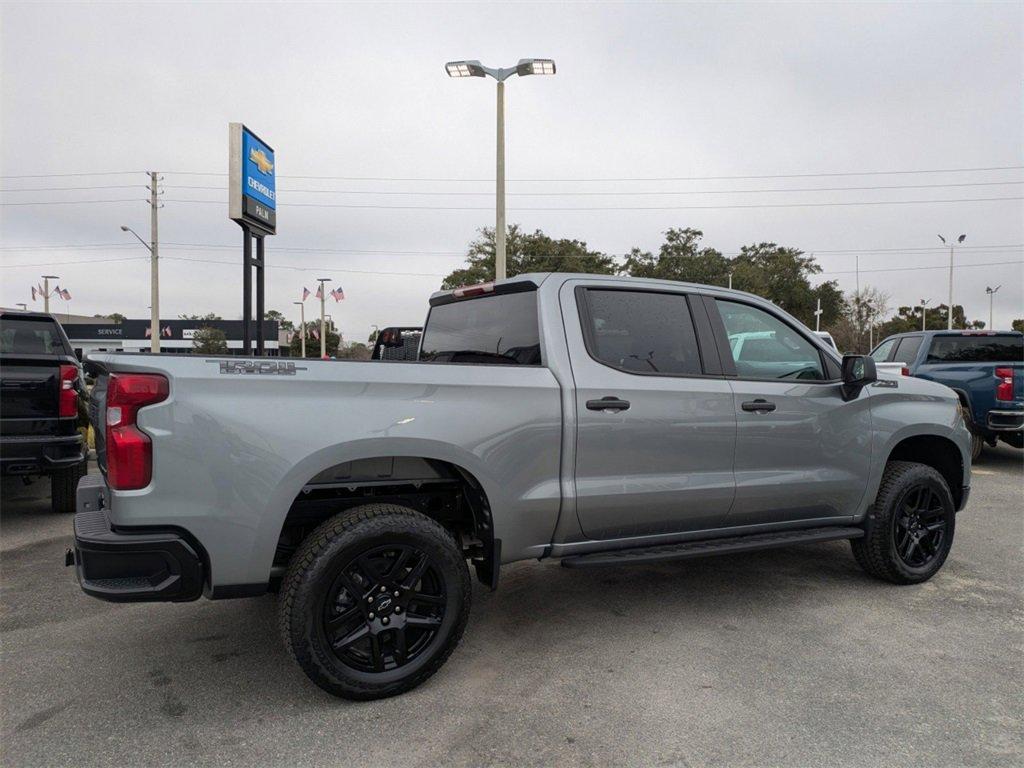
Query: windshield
{"points": [[498, 329]]}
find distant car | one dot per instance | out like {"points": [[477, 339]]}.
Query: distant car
{"points": [[827, 338], [42, 382], [984, 368]]}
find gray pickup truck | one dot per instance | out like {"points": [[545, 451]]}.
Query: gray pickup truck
{"points": [[604, 421]]}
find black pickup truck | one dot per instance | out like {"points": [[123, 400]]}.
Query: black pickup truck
{"points": [[41, 385]]}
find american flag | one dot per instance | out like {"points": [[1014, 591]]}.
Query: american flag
{"points": [[305, 293], [33, 293], [66, 295], [338, 294], [320, 291]]}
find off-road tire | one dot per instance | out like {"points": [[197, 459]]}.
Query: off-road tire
{"points": [[318, 563], [64, 487], [877, 552]]}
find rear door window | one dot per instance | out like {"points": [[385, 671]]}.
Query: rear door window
{"points": [[976, 349], [907, 350], [495, 329], [641, 331]]}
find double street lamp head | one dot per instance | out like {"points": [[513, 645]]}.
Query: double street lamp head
{"points": [[473, 68]]}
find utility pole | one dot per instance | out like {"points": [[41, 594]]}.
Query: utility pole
{"points": [[302, 324], [924, 312], [323, 327], [991, 294], [46, 291], [154, 268], [817, 316], [949, 322], [730, 281]]}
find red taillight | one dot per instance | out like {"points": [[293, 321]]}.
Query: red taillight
{"points": [[68, 393], [129, 449], [1004, 389], [904, 371]]}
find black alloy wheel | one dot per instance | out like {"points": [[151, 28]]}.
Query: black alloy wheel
{"points": [[919, 527], [374, 601], [909, 529], [384, 608]]}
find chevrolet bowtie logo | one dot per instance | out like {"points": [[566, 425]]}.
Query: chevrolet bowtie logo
{"points": [[262, 161]]}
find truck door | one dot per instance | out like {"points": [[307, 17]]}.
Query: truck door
{"points": [[802, 452], [656, 429]]}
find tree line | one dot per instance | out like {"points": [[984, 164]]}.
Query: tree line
{"points": [[776, 272]]}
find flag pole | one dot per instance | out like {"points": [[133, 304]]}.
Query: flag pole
{"points": [[323, 329]]}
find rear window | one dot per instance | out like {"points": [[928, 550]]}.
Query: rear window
{"points": [[976, 349], [30, 337], [495, 329], [908, 349]]}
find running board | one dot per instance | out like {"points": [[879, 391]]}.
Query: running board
{"points": [[726, 546]]}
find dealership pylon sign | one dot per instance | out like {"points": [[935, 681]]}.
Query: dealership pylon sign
{"points": [[252, 204]]}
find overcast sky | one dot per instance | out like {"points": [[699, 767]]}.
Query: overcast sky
{"points": [[643, 93]]}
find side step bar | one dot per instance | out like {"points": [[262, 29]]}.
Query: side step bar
{"points": [[726, 546]]}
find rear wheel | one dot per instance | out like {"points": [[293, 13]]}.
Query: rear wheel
{"points": [[909, 530], [375, 601], [64, 487]]}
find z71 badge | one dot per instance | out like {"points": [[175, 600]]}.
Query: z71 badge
{"points": [[258, 368]]}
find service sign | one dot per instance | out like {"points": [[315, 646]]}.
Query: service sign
{"points": [[252, 183]]}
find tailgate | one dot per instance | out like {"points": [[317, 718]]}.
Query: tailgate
{"points": [[29, 396]]}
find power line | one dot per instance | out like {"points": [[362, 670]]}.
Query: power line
{"points": [[68, 175], [612, 193], [79, 261], [912, 269], [608, 208], [637, 178], [102, 186], [82, 202]]}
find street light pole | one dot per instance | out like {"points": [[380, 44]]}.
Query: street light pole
{"points": [[817, 316], [154, 281], [991, 294], [473, 68], [302, 324], [499, 216], [924, 311], [949, 322]]}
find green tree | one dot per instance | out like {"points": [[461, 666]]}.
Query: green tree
{"points": [[313, 343], [117, 317], [680, 257], [534, 252], [783, 275], [210, 341], [1018, 325], [207, 316], [282, 322]]}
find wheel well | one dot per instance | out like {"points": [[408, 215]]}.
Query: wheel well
{"points": [[442, 491], [937, 452]]}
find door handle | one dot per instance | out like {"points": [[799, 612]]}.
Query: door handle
{"points": [[758, 406], [610, 403]]}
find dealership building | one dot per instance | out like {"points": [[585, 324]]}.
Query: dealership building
{"points": [[176, 336]]}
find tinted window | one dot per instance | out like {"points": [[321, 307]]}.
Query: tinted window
{"points": [[499, 329], [30, 337], [976, 349], [764, 347], [881, 353], [642, 332], [906, 352]]}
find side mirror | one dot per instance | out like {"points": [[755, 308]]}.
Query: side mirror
{"points": [[858, 371]]}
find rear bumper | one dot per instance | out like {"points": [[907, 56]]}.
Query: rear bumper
{"points": [[1006, 421], [138, 566], [37, 455]]}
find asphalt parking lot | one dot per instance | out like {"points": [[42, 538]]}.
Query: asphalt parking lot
{"points": [[789, 657]]}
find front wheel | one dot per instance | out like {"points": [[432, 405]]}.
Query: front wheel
{"points": [[375, 601], [909, 530]]}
